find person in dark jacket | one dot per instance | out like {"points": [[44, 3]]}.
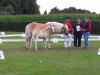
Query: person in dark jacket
{"points": [[77, 31], [86, 31]]}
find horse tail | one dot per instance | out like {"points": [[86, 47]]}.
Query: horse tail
{"points": [[26, 32]]}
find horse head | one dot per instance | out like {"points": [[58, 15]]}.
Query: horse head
{"points": [[65, 30]]}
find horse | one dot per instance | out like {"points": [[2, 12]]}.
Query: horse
{"points": [[44, 32], [35, 30]]}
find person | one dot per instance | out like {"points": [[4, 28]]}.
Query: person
{"points": [[86, 31], [77, 30], [68, 36]]}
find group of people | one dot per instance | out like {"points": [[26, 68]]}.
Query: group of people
{"points": [[78, 29]]}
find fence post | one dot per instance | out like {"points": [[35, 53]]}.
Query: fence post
{"points": [[0, 41], [99, 37]]}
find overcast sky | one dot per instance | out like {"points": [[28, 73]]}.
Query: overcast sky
{"points": [[91, 5]]}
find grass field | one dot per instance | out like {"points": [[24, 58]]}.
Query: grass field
{"points": [[55, 61]]}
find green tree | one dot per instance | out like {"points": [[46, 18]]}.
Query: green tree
{"points": [[45, 12], [54, 10], [68, 10], [19, 7], [29, 7]]}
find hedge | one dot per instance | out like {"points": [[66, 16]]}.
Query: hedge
{"points": [[45, 18], [20, 26], [13, 26]]}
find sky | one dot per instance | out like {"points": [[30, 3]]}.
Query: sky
{"points": [[91, 5]]}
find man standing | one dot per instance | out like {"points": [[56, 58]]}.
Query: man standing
{"points": [[68, 36]]}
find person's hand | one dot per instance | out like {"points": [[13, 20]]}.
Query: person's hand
{"points": [[81, 29], [84, 30]]}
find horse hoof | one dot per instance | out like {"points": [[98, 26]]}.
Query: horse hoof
{"points": [[46, 49], [27, 47], [49, 47], [30, 48]]}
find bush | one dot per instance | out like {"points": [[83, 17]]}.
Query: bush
{"points": [[20, 26], [13, 26], [45, 18], [18, 22], [95, 27]]}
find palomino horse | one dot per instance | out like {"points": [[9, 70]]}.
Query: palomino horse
{"points": [[35, 30]]}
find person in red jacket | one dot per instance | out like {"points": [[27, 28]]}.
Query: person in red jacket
{"points": [[68, 27], [86, 31]]}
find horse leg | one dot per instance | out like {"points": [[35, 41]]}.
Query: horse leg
{"points": [[26, 42], [36, 44], [26, 38], [49, 39], [45, 43], [30, 42]]}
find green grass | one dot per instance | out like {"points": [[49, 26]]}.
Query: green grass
{"points": [[55, 61]]}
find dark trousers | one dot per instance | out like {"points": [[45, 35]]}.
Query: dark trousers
{"points": [[77, 39]]}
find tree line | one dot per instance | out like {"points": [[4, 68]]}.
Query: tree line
{"points": [[69, 10], [13, 7]]}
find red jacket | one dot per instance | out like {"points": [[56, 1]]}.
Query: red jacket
{"points": [[68, 24], [87, 27]]}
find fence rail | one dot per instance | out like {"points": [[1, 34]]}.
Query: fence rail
{"points": [[55, 39]]}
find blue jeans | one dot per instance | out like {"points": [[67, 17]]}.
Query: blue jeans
{"points": [[86, 36]]}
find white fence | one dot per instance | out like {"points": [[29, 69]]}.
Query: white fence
{"points": [[57, 37]]}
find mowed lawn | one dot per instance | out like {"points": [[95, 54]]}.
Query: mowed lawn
{"points": [[55, 61]]}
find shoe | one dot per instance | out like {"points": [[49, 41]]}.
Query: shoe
{"points": [[85, 47], [79, 47], [75, 47], [69, 47]]}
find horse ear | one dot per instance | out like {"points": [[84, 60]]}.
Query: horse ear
{"points": [[51, 24]]}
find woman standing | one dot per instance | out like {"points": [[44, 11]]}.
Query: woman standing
{"points": [[77, 30], [86, 31]]}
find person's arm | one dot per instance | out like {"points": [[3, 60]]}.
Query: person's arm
{"points": [[89, 27], [70, 28], [81, 27], [66, 27]]}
